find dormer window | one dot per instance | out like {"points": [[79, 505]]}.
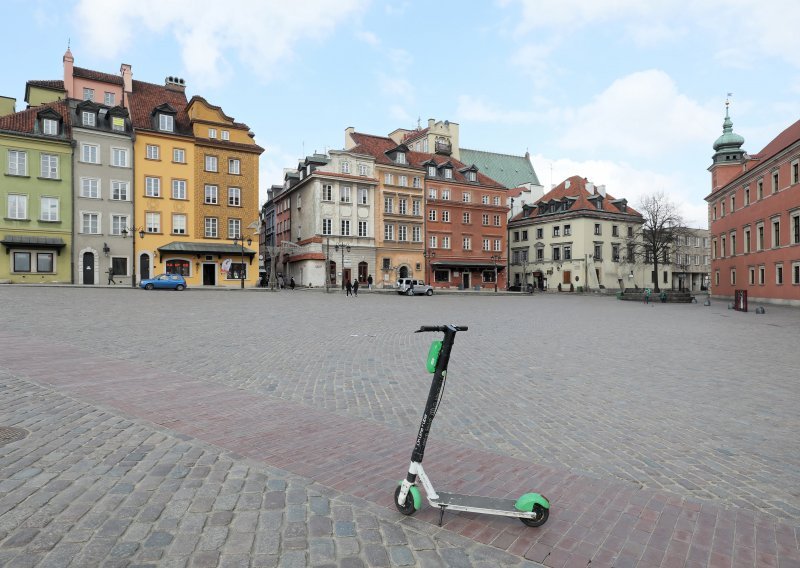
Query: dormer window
{"points": [[448, 173], [345, 167], [50, 127], [88, 118], [400, 158], [472, 176], [166, 122], [432, 171]]}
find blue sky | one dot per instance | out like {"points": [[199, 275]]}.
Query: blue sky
{"points": [[627, 93]]}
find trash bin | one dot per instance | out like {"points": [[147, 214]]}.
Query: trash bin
{"points": [[663, 297], [530, 289], [619, 295]]}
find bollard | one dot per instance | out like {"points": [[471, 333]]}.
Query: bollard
{"points": [[707, 302], [760, 310]]}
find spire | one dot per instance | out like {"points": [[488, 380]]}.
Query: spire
{"points": [[729, 141]]}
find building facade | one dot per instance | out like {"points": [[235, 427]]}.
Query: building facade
{"points": [[754, 217], [691, 262]]}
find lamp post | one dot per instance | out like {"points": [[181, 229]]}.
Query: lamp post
{"points": [[429, 255], [133, 231], [240, 241], [495, 258], [342, 246]]}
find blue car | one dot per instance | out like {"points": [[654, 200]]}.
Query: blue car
{"points": [[165, 282]]}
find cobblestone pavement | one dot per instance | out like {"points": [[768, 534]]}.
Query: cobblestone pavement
{"points": [[697, 403]]}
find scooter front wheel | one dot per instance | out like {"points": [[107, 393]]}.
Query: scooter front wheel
{"points": [[408, 508], [540, 517]]}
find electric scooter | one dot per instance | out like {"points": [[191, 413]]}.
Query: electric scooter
{"points": [[531, 508]]}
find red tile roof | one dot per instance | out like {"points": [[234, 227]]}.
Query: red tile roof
{"points": [[24, 121], [575, 188], [414, 134], [781, 141], [59, 85], [377, 146], [96, 76], [147, 96]]}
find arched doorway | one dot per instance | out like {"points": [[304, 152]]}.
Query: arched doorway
{"points": [[404, 272], [144, 267], [362, 272], [88, 268]]}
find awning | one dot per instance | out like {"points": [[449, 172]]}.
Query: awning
{"points": [[464, 264], [30, 241], [205, 248]]}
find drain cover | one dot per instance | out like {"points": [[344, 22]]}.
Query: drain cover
{"points": [[8, 435]]}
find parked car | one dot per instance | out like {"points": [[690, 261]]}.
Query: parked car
{"points": [[165, 282], [411, 287]]}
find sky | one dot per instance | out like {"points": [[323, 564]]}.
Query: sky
{"points": [[626, 93]]}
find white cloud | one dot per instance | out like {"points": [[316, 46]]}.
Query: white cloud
{"points": [[535, 61], [261, 34], [369, 38], [399, 113], [396, 87], [471, 109], [642, 114]]}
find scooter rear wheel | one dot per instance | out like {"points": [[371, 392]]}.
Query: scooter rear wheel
{"points": [[408, 508], [540, 518]]}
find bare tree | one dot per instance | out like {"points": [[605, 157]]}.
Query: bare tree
{"points": [[654, 240]]}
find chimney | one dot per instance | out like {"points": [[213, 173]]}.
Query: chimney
{"points": [[127, 77], [601, 189], [566, 184], [348, 139], [7, 105], [175, 84], [68, 65], [589, 187], [431, 122]]}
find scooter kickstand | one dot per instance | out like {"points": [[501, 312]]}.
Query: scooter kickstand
{"points": [[441, 513]]}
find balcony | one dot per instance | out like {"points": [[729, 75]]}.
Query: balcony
{"points": [[443, 147]]}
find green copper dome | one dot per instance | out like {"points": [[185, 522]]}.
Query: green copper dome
{"points": [[729, 139]]}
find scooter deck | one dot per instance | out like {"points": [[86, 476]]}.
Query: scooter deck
{"points": [[459, 502]]}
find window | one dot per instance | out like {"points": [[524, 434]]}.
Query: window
{"points": [[466, 197], [466, 218], [234, 166], [234, 228], [362, 169], [760, 237], [722, 208], [402, 233], [388, 204], [22, 262], [598, 251], [50, 127], [796, 228], [776, 233], [485, 219], [109, 100], [497, 220], [415, 207], [525, 235], [416, 234], [327, 226], [166, 122], [496, 200], [344, 196], [152, 152], [345, 228], [484, 199], [498, 243], [722, 247], [733, 203], [746, 196], [152, 187], [179, 189], [49, 166], [448, 173], [363, 195], [90, 187], [747, 240], [446, 194], [445, 216], [416, 182], [235, 197], [345, 167], [88, 94], [226, 135], [90, 223], [432, 215], [118, 123], [211, 194], [402, 206], [597, 229], [211, 227], [778, 274], [298, 201], [540, 233], [49, 209], [327, 193], [486, 245], [556, 253], [119, 157], [760, 189], [119, 190], [90, 154], [733, 243], [179, 155], [466, 243], [118, 223], [432, 241], [567, 230], [88, 118], [432, 171], [795, 172], [212, 132], [615, 253], [432, 193], [362, 229], [557, 231], [751, 275], [516, 236], [796, 273], [761, 275], [388, 232], [614, 231], [402, 181], [775, 181], [388, 178], [211, 163]]}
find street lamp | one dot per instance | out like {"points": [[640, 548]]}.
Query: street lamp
{"points": [[133, 231], [495, 258], [241, 268], [342, 246]]}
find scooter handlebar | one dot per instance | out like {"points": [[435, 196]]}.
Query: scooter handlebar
{"points": [[441, 328]]}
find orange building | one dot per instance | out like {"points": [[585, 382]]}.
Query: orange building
{"points": [[754, 217]]}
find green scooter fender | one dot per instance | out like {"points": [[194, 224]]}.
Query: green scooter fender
{"points": [[526, 502], [414, 492]]}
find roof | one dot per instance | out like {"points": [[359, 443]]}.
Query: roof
{"points": [[574, 189], [147, 96], [377, 146], [511, 171], [24, 121], [205, 248], [96, 76], [32, 241], [57, 85], [781, 141]]}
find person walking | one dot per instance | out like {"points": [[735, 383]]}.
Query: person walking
{"points": [[349, 288], [355, 288], [369, 282], [280, 281], [291, 283], [111, 276], [647, 295]]}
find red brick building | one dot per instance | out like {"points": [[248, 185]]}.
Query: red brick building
{"points": [[754, 217]]}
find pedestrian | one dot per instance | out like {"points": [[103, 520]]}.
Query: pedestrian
{"points": [[355, 288], [111, 275], [369, 282], [280, 281], [349, 288], [291, 283], [647, 295]]}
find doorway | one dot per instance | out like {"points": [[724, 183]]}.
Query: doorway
{"points": [[346, 275], [465, 280], [404, 272], [362, 272], [567, 277], [88, 268], [209, 274], [144, 267]]}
